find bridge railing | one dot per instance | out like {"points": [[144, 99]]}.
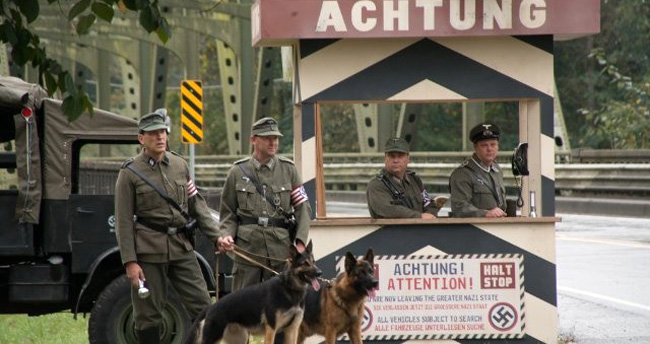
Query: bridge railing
{"points": [[623, 176]]}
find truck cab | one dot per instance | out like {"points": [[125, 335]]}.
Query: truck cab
{"points": [[58, 249]]}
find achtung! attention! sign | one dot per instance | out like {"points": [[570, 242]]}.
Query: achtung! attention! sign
{"points": [[447, 297]]}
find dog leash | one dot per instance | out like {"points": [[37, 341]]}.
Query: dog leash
{"points": [[245, 255], [257, 255]]}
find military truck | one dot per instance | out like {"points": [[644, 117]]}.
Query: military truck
{"points": [[58, 250]]}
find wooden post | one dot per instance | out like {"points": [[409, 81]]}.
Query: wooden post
{"points": [[321, 211]]}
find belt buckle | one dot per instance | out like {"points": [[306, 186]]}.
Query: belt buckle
{"points": [[172, 230], [263, 221]]}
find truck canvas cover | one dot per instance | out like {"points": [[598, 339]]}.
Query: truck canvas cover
{"points": [[61, 134], [44, 169], [15, 95]]}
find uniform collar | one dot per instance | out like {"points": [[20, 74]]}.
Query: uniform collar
{"points": [[482, 166], [150, 161], [259, 165], [397, 180]]}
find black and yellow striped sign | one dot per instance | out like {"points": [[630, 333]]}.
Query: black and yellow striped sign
{"points": [[191, 111]]}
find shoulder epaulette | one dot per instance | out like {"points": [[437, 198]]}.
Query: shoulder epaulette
{"points": [[242, 160], [410, 172], [126, 163], [285, 159], [464, 163], [177, 154]]}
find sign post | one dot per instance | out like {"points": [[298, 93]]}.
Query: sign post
{"points": [[191, 116]]}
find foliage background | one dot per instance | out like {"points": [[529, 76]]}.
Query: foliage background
{"points": [[604, 79]]}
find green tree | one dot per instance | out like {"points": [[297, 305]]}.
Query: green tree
{"points": [[26, 47], [601, 79], [622, 121]]}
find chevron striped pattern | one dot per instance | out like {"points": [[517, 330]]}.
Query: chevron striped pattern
{"points": [[535, 242], [437, 69], [191, 111]]}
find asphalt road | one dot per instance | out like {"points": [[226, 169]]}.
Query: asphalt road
{"points": [[603, 273], [603, 276]]}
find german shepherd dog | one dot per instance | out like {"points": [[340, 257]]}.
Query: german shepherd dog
{"points": [[338, 308], [275, 305]]}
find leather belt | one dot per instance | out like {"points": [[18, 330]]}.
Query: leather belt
{"points": [[160, 228], [264, 221]]}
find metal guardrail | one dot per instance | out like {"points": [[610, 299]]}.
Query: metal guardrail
{"points": [[577, 180], [575, 156], [600, 156], [622, 177]]}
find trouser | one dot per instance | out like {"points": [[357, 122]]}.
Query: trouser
{"points": [[186, 278]]}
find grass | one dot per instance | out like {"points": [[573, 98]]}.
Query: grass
{"points": [[59, 328]]}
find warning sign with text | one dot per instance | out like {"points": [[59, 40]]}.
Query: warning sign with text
{"points": [[430, 297]]}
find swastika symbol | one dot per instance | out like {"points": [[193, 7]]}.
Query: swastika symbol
{"points": [[503, 316], [366, 322]]}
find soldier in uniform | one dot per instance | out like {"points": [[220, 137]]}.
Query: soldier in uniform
{"points": [[257, 220], [477, 184], [397, 192], [154, 245]]}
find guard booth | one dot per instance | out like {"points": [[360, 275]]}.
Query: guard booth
{"points": [[458, 280]]}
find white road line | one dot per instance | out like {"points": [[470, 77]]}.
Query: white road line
{"points": [[603, 297], [603, 241]]}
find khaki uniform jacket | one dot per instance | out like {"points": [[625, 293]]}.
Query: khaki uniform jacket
{"points": [[473, 189], [240, 198], [382, 204], [133, 196]]}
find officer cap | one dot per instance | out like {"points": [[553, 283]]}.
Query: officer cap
{"points": [[154, 121], [266, 126], [484, 131], [396, 144]]}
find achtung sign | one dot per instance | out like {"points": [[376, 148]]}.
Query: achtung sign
{"points": [[277, 22], [191, 112], [447, 297]]}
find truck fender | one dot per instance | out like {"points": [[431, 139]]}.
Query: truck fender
{"points": [[109, 261], [110, 264], [206, 270]]}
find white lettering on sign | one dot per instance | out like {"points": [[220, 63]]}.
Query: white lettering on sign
{"points": [[358, 21], [532, 13], [429, 11], [330, 15], [502, 15], [363, 15], [401, 14], [467, 19]]}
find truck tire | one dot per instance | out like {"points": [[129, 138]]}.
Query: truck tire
{"points": [[111, 318]]}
